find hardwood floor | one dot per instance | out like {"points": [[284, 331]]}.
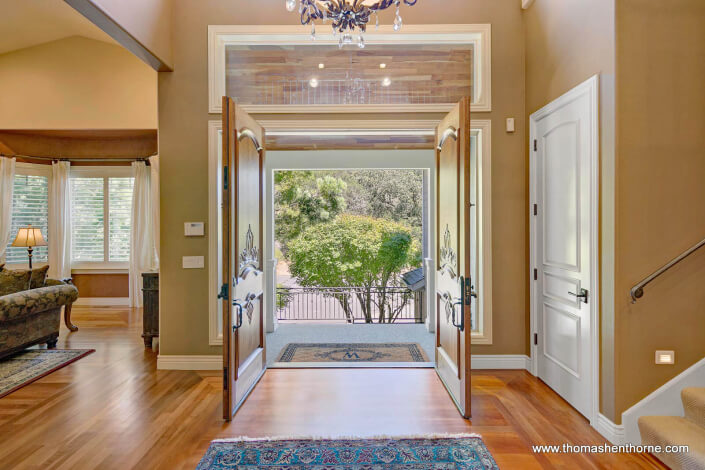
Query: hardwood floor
{"points": [[114, 410]]}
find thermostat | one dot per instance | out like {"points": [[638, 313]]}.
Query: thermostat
{"points": [[194, 229]]}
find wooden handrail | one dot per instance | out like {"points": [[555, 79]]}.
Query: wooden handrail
{"points": [[637, 291]]}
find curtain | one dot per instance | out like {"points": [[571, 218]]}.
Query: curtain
{"points": [[60, 222], [142, 256], [7, 181], [154, 181]]}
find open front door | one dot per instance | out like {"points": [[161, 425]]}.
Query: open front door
{"points": [[243, 275], [454, 284]]}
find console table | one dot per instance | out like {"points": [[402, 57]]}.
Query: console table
{"points": [[150, 311]]}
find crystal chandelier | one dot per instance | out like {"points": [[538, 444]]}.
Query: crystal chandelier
{"points": [[348, 17]]}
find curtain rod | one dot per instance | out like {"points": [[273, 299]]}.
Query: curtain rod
{"points": [[63, 159]]}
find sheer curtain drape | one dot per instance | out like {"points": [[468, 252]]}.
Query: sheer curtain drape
{"points": [[60, 221], [7, 181], [142, 254], [154, 182]]}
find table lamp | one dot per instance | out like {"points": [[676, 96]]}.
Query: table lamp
{"points": [[29, 237]]}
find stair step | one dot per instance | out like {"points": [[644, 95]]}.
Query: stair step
{"points": [[672, 430], [694, 404]]}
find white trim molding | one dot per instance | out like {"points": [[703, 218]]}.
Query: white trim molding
{"points": [[609, 430], [499, 361], [102, 302], [591, 88], [481, 128], [169, 362], [479, 35]]}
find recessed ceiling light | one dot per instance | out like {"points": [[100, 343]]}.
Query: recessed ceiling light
{"points": [[313, 82], [321, 66], [387, 81], [383, 66]]}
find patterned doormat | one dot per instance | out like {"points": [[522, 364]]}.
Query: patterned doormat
{"points": [[24, 368], [353, 352], [422, 453]]}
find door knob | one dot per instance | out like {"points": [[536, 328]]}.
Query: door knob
{"points": [[582, 297]]}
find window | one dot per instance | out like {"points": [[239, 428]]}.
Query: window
{"points": [[30, 206], [101, 208]]}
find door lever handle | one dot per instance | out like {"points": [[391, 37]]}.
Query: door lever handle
{"points": [[238, 323], [582, 297]]}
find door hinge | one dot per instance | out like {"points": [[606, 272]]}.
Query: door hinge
{"points": [[536, 145], [225, 378], [536, 274], [536, 339], [223, 294], [225, 177], [536, 209]]}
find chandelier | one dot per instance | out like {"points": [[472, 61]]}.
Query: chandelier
{"points": [[348, 17]]}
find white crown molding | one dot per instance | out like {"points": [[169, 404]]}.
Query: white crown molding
{"points": [[169, 362], [479, 35]]}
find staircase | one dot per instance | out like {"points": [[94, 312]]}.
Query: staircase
{"points": [[676, 431]]}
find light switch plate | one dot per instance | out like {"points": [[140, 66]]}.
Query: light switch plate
{"points": [[510, 125], [194, 229], [193, 262]]}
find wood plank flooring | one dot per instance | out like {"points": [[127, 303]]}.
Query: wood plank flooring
{"points": [[114, 410]]}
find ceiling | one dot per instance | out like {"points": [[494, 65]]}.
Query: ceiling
{"points": [[26, 23]]}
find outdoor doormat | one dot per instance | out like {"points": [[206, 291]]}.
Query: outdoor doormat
{"points": [[353, 352], [418, 453], [27, 366]]}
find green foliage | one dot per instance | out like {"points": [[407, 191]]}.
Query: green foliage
{"points": [[354, 251], [301, 200]]}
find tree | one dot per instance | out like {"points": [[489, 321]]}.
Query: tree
{"points": [[355, 251], [302, 200]]}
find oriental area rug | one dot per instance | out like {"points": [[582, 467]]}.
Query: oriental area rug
{"points": [[27, 366], [353, 352], [461, 452]]}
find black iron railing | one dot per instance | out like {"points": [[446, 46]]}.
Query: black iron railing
{"points": [[350, 304]]}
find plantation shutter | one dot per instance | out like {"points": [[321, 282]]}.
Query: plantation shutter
{"points": [[87, 219], [30, 206]]}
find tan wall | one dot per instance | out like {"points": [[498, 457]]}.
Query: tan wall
{"points": [[660, 189], [148, 21], [76, 83], [567, 42], [183, 101]]}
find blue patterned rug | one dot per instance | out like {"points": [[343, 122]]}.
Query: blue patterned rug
{"points": [[437, 453]]}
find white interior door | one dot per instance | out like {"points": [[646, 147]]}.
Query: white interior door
{"points": [[564, 154]]}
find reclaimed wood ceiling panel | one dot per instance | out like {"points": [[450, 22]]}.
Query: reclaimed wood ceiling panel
{"points": [[281, 75]]}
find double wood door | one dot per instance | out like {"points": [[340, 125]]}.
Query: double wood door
{"points": [[244, 345]]}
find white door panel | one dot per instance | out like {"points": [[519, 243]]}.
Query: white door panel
{"points": [[563, 161]]}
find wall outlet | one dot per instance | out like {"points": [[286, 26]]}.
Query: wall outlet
{"points": [[665, 357], [193, 262]]}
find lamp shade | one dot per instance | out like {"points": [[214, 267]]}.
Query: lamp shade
{"points": [[29, 236]]}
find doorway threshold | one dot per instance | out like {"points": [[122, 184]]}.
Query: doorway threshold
{"points": [[351, 365]]}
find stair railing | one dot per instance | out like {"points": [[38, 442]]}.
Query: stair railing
{"points": [[637, 291]]}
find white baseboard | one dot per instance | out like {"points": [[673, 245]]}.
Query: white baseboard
{"points": [[103, 302], [165, 362], [664, 401], [500, 361], [614, 433]]}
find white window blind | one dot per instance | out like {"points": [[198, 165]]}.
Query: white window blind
{"points": [[101, 212], [30, 206]]}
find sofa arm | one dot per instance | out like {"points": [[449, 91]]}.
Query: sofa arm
{"points": [[55, 282], [27, 302]]}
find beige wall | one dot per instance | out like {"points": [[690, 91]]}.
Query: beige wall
{"points": [[148, 21], [660, 189], [76, 83], [567, 42], [183, 110]]}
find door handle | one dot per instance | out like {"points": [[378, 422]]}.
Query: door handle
{"points": [[461, 325], [238, 323], [582, 297]]}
